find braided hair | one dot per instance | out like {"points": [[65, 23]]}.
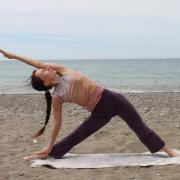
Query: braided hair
{"points": [[38, 84]]}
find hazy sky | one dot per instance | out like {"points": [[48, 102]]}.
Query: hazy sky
{"points": [[72, 29]]}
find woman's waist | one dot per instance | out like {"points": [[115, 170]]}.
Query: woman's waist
{"points": [[88, 98]]}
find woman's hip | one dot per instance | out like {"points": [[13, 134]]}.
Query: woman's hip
{"points": [[107, 105]]}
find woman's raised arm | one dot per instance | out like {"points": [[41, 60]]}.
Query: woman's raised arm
{"points": [[32, 62]]}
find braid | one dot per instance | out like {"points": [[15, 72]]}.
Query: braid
{"points": [[48, 112]]}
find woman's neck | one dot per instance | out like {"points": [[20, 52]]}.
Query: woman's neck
{"points": [[55, 81]]}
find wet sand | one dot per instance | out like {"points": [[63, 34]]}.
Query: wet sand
{"points": [[21, 115]]}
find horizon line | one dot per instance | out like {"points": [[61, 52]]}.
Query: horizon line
{"points": [[111, 59], [70, 59]]}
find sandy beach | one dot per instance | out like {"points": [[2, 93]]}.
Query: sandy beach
{"points": [[21, 115]]}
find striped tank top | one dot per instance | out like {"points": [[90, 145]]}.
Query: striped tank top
{"points": [[77, 88]]}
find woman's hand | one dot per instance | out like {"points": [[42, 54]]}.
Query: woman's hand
{"points": [[35, 156], [44, 151], [7, 54], [42, 154]]}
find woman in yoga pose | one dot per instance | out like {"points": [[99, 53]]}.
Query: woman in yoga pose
{"points": [[74, 87]]}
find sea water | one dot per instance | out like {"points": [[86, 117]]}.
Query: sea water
{"points": [[123, 75]]}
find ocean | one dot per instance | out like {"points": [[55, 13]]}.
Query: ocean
{"points": [[123, 75]]}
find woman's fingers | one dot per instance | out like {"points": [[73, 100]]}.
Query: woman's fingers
{"points": [[34, 156], [30, 157]]}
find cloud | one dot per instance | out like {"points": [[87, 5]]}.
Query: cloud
{"points": [[93, 24], [68, 16]]}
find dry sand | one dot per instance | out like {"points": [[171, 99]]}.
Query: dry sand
{"points": [[21, 115]]}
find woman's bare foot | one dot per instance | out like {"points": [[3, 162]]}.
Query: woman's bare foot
{"points": [[169, 151]]}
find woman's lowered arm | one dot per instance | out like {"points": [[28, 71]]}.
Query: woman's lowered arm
{"points": [[57, 108]]}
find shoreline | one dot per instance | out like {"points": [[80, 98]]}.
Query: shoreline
{"points": [[117, 90], [22, 115]]}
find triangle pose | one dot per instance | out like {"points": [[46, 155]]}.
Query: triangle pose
{"points": [[75, 87]]}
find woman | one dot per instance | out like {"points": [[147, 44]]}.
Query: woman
{"points": [[74, 87]]}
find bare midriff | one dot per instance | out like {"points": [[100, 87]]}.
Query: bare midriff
{"points": [[75, 87], [87, 92]]}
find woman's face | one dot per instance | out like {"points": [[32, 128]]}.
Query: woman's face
{"points": [[47, 75]]}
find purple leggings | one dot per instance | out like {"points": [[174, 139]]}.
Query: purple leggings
{"points": [[110, 104]]}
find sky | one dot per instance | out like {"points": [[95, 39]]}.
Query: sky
{"points": [[91, 29]]}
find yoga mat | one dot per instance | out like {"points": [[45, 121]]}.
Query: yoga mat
{"points": [[108, 160]]}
